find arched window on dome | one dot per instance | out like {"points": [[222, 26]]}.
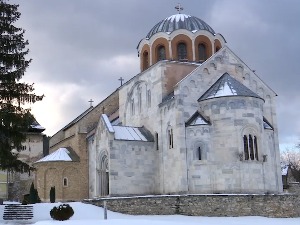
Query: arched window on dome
{"points": [[202, 52], [161, 53], [181, 51], [145, 60]]}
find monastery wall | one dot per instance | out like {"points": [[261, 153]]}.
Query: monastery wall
{"points": [[282, 206], [134, 168]]}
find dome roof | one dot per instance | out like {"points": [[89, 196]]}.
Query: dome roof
{"points": [[180, 21]]}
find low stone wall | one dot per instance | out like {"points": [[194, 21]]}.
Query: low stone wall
{"points": [[205, 205]]}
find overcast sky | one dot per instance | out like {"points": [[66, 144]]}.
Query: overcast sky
{"points": [[80, 48]]}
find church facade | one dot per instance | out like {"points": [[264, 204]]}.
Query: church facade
{"points": [[195, 120]]}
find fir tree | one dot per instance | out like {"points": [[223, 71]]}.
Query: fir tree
{"points": [[15, 116]]}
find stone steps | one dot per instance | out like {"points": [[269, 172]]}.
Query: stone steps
{"points": [[18, 212]]}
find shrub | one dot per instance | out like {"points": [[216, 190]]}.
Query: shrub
{"points": [[33, 195], [62, 212], [52, 194]]}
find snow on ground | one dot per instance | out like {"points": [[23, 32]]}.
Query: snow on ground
{"points": [[85, 214]]}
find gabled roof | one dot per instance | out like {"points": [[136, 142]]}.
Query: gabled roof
{"points": [[127, 133], [132, 133], [267, 124], [197, 119], [226, 85], [65, 154], [36, 127]]}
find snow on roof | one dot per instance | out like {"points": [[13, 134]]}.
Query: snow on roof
{"points": [[197, 119], [37, 127], [177, 17], [62, 154], [107, 123], [226, 85], [128, 133]]}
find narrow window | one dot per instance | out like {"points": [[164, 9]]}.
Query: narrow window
{"points": [[217, 48], [156, 139], [255, 148], [246, 150], [161, 53], [149, 98], [251, 147], [181, 51], [170, 138], [199, 153], [132, 107], [145, 60], [140, 100], [202, 52], [65, 182]]}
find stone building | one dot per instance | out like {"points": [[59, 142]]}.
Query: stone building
{"points": [[196, 119], [13, 185], [66, 167]]}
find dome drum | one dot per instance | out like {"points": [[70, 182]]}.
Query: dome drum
{"points": [[179, 37]]}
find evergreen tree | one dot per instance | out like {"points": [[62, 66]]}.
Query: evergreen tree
{"points": [[15, 116]]}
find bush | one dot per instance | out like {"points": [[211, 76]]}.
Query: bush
{"points": [[62, 212], [33, 195]]}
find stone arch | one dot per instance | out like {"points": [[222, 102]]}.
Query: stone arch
{"points": [[145, 57], [204, 40], [52, 179], [103, 174], [192, 84], [181, 38], [250, 142], [186, 91], [155, 46], [218, 45], [130, 96], [206, 71]]}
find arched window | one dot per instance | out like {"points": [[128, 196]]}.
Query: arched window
{"points": [[250, 147], [132, 108], [199, 153], [170, 138], [161, 53], [145, 60], [140, 99], [181, 51], [65, 182], [149, 98], [217, 48], [255, 148], [202, 52], [246, 150]]}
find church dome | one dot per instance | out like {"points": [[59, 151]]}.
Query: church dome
{"points": [[180, 21]]}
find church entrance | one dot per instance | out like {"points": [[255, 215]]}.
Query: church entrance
{"points": [[104, 177]]}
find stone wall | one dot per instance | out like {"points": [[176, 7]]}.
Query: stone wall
{"points": [[205, 205]]}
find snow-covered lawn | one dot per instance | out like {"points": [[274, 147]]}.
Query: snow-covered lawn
{"points": [[91, 215]]}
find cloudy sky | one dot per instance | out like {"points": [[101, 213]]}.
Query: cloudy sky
{"points": [[80, 48]]}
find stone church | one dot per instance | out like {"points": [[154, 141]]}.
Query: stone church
{"points": [[196, 119]]}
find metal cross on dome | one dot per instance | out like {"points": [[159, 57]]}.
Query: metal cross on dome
{"points": [[179, 8]]}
